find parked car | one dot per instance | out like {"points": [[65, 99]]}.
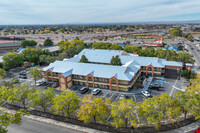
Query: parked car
{"points": [[24, 72], [146, 93], [83, 90], [96, 91], [23, 76], [54, 85], [155, 86], [198, 130], [122, 97], [16, 80], [40, 82]]}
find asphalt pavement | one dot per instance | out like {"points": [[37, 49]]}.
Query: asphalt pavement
{"points": [[31, 126]]}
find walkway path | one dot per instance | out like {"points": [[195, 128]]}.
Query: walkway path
{"points": [[186, 129]]}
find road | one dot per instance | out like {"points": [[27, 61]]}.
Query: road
{"points": [[31, 126], [196, 54], [194, 50]]}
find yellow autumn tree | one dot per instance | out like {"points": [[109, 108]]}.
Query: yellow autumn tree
{"points": [[124, 112], [95, 109]]}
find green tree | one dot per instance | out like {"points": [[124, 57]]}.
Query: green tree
{"points": [[36, 73], [48, 42], [188, 74], [32, 55], [28, 43], [116, 61], [10, 83], [175, 32], [160, 53], [20, 93], [84, 59], [41, 98], [65, 104], [2, 73], [116, 47], [69, 53], [47, 59], [183, 98], [6, 119], [101, 45], [93, 108], [132, 49], [124, 111], [12, 60], [157, 109], [194, 98], [149, 52], [77, 43], [6, 96], [185, 58], [64, 45], [189, 37], [185, 73]]}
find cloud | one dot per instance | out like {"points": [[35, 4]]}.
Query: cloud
{"points": [[90, 11]]}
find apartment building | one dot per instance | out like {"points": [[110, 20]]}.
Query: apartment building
{"points": [[99, 73]]}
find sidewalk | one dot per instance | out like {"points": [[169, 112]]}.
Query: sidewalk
{"points": [[58, 123], [185, 129]]}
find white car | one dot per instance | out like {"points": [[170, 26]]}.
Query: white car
{"points": [[146, 93], [40, 82], [96, 91]]}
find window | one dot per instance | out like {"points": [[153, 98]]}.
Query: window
{"points": [[149, 69]]}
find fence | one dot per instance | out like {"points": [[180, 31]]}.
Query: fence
{"points": [[105, 127]]}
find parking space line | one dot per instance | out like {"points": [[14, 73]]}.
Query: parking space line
{"points": [[76, 91], [112, 95], [142, 96], [117, 98], [102, 95], [173, 87], [134, 98], [106, 95]]}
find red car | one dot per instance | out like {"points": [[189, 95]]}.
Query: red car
{"points": [[198, 130]]}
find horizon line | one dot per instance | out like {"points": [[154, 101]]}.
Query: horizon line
{"points": [[117, 23]]}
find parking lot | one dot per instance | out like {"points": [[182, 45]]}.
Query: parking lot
{"points": [[167, 87]]}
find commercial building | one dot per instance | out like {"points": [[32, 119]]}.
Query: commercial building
{"points": [[99, 73], [7, 46], [52, 49], [156, 43]]}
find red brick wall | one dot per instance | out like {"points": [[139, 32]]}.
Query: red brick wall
{"points": [[89, 75], [149, 66], [116, 80]]}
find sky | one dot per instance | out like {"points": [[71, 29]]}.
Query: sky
{"points": [[96, 11]]}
